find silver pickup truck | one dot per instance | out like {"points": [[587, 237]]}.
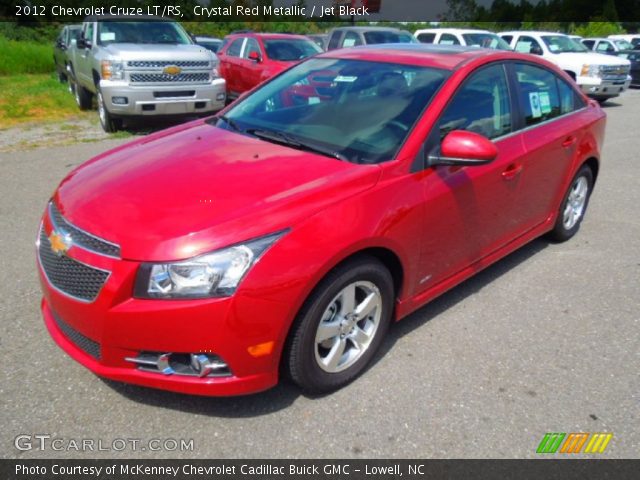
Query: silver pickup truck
{"points": [[143, 67]]}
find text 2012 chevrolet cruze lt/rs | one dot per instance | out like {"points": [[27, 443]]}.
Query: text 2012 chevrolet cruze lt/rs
{"points": [[285, 234]]}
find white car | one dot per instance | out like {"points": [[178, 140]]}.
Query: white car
{"points": [[459, 36], [633, 39], [599, 76], [608, 46]]}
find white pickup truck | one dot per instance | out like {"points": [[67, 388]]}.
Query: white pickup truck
{"points": [[599, 76], [138, 67]]}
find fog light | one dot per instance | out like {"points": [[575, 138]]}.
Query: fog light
{"points": [[221, 96], [201, 104], [119, 100], [189, 364]]}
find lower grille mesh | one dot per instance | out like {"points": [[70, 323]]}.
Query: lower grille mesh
{"points": [[83, 343], [69, 276]]}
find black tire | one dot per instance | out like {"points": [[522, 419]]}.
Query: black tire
{"points": [[110, 124], [83, 97], [62, 78], [300, 358], [561, 231]]}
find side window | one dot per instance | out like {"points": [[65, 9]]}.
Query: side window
{"points": [[426, 37], [351, 39], [252, 46], [235, 48], [588, 44], [481, 105], [507, 38], [448, 39], [538, 93], [528, 45], [88, 33], [334, 42], [569, 98], [604, 47]]}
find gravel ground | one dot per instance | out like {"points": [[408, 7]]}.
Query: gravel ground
{"points": [[546, 340]]}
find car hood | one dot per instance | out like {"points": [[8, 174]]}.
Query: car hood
{"points": [[191, 190], [159, 52], [590, 58]]}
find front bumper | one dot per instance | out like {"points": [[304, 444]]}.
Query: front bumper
{"points": [[103, 333], [600, 88], [172, 99]]}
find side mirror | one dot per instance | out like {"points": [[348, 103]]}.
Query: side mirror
{"points": [[83, 43], [535, 50], [255, 56], [461, 147]]}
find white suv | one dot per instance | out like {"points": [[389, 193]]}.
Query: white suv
{"points": [[459, 36], [599, 76]]}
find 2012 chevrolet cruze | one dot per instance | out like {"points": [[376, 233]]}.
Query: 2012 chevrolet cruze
{"points": [[287, 232]]}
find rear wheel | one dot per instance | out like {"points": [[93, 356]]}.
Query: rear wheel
{"points": [[341, 326], [110, 124], [573, 206]]}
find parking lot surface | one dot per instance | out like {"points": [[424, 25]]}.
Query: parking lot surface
{"points": [[546, 340]]}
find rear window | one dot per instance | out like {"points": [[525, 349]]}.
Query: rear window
{"points": [[375, 37]]}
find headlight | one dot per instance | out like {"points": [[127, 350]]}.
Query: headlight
{"points": [[590, 70], [215, 274], [215, 71], [112, 70]]}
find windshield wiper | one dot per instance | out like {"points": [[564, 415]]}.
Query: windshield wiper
{"points": [[230, 122], [295, 142]]}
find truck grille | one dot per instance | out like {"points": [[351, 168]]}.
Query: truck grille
{"points": [[614, 72], [165, 78], [161, 64], [81, 238], [69, 276], [85, 344]]}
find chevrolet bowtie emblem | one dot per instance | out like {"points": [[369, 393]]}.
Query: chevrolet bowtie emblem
{"points": [[172, 70], [60, 243]]}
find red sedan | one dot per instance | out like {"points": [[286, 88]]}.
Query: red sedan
{"points": [[288, 232], [248, 59]]}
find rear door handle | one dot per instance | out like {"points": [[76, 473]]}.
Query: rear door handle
{"points": [[570, 140], [512, 171]]}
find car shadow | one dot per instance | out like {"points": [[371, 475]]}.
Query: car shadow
{"points": [[284, 394], [610, 104], [147, 125]]}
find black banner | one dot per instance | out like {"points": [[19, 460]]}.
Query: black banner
{"points": [[319, 469]]}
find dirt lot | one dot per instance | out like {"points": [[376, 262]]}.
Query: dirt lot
{"points": [[547, 340]]}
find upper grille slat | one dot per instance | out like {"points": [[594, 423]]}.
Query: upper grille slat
{"points": [[71, 277], [81, 238], [163, 63], [165, 78]]}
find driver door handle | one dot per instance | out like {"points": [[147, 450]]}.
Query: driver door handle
{"points": [[512, 171], [570, 140]]}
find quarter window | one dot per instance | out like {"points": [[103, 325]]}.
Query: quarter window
{"points": [[482, 105], [235, 48], [538, 94]]}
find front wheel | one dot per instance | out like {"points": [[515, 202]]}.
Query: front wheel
{"points": [[109, 123], [341, 326], [83, 97], [573, 206]]}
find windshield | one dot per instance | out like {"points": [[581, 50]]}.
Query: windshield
{"points": [[388, 36], [485, 40], [142, 32], [623, 45], [563, 44], [290, 49], [354, 110]]}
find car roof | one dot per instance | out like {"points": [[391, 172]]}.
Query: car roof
{"points": [[369, 29], [452, 30], [447, 57], [599, 38], [532, 32], [268, 35]]}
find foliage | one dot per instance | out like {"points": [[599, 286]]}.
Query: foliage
{"points": [[598, 29], [25, 57]]}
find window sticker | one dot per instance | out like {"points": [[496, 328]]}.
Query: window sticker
{"points": [[534, 102], [314, 100], [107, 36], [523, 46], [554, 48], [545, 102], [349, 42], [343, 78]]}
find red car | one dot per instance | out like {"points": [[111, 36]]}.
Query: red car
{"points": [[248, 59], [286, 236]]}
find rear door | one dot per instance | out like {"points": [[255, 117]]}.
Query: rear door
{"points": [[83, 57], [229, 65], [469, 210], [250, 71], [550, 106]]}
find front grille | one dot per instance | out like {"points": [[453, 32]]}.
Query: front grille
{"points": [[80, 238], [165, 78], [160, 64], [174, 93], [614, 69], [85, 344], [71, 277]]}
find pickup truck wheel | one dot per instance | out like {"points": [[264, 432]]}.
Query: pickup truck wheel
{"points": [[108, 122], [341, 326], [83, 97]]}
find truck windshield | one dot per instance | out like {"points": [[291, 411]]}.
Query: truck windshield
{"points": [[563, 44], [485, 40], [623, 45], [353, 110], [142, 32]]}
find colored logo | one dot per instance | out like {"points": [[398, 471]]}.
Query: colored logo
{"points": [[574, 442], [60, 243], [172, 70]]}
